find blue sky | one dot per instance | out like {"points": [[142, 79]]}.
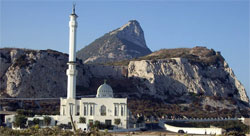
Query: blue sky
{"points": [[222, 25]]}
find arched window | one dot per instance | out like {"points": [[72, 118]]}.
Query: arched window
{"points": [[103, 110]]}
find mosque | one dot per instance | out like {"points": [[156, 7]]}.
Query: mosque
{"points": [[104, 107]]}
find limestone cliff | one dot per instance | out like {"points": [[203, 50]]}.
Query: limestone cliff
{"points": [[36, 73], [204, 72]]}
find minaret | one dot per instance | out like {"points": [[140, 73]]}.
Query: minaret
{"points": [[71, 71]]}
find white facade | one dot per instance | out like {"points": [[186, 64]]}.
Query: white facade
{"points": [[103, 108]]}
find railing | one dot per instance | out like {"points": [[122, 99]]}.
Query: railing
{"points": [[201, 119]]}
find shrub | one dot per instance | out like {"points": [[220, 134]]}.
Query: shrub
{"points": [[82, 120], [47, 120], [36, 121], [20, 121], [97, 124]]}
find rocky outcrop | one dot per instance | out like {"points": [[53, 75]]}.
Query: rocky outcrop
{"points": [[177, 77], [132, 32], [124, 43], [36, 73]]}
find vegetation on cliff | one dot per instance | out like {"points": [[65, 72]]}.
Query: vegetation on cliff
{"points": [[197, 55]]}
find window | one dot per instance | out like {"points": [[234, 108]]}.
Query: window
{"points": [[91, 111], [77, 110], [122, 111], [85, 110], [63, 110], [108, 122], [103, 110], [71, 108], [116, 114]]}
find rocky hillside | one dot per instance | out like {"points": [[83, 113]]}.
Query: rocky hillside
{"points": [[198, 78], [178, 77], [163, 74], [36, 73], [124, 43]]}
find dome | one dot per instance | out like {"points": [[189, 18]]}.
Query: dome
{"points": [[104, 91]]}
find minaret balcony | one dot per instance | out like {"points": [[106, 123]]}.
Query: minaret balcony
{"points": [[71, 72], [73, 24]]}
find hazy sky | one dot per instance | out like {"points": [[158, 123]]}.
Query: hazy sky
{"points": [[219, 24]]}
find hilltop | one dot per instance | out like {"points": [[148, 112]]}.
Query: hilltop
{"points": [[124, 43]]}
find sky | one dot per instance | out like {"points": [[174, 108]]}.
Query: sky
{"points": [[219, 24]]}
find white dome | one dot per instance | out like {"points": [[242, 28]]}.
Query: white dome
{"points": [[104, 90]]}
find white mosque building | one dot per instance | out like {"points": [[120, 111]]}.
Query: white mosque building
{"points": [[103, 108]]}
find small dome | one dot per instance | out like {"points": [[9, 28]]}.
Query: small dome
{"points": [[104, 90]]}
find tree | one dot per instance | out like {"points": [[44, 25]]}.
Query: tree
{"points": [[82, 120], [140, 119], [28, 113], [36, 121], [117, 121], [47, 120], [97, 124], [20, 121]]}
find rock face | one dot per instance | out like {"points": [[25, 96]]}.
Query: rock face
{"points": [[179, 76], [124, 43], [31, 73], [164, 74]]}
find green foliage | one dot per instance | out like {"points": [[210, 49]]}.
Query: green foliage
{"points": [[35, 131], [82, 120], [65, 126], [196, 55], [200, 55], [28, 113], [20, 121], [106, 131], [97, 123], [35, 127], [36, 121], [47, 120]]}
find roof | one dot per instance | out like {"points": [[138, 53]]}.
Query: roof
{"points": [[104, 91]]}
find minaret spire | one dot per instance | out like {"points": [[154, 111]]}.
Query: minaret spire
{"points": [[71, 71], [73, 9]]}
